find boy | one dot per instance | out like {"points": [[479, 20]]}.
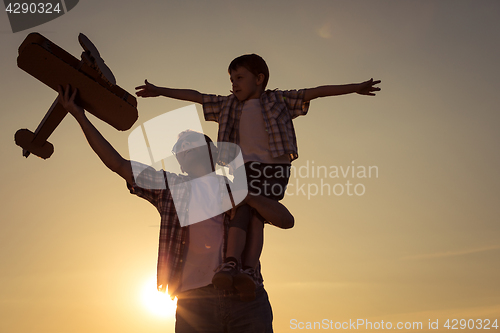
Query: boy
{"points": [[260, 122]]}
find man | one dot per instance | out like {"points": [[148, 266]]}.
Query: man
{"points": [[188, 255]]}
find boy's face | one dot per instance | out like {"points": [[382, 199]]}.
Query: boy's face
{"points": [[245, 84]]}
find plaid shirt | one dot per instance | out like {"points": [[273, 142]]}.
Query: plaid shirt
{"points": [[154, 187], [278, 109]]}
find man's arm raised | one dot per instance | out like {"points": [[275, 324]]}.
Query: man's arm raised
{"points": [[108, 155], [150, 90]]}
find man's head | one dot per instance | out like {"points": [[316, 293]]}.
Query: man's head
{"points": [[195, 152], [249, 75]]}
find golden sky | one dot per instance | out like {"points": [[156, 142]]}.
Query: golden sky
{"points": [[417, 242]]}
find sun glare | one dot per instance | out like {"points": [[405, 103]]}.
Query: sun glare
{"points": [[157, 302]]}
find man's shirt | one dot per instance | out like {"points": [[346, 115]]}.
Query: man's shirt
{"points": [[155, 186]]}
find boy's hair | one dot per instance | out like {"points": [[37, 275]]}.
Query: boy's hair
{"points": [[254, 63]]}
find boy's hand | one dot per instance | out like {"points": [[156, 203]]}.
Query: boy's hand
{"points": [[147, 90], [68, 102], [367, 87]]}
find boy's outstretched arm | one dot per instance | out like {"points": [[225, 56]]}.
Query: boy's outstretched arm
{"points": [[150, 90], [273, 211], [110, 157], [363, 88]]}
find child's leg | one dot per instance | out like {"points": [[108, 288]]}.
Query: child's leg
{"points": [[276, 186], [236, 240], [237, 234], [245, 282], [254, 243]]}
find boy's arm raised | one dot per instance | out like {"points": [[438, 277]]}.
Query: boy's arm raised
{"points": [[150, 90], [108, 155], [363, 88]]}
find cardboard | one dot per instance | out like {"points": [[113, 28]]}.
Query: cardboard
{"points": [[97, 89]]}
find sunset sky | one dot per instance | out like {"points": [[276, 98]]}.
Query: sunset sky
{"points": [[418, 241]]}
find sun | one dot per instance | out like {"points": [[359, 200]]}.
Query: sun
{"points": [[157, 302]]}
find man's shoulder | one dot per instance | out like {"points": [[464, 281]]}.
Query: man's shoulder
{"points": [[148, 177]]}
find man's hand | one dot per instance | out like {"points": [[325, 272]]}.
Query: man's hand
{"points": [[147, 90], [367, 87], [68, 101]]}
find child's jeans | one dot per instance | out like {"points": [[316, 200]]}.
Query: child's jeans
{"points": [[269, 180]]}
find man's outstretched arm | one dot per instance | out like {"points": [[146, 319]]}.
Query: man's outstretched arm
{"points": [[364, 88], [108, 155], [150, 90]]}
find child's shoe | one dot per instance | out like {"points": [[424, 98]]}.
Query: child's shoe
{"points": [[244, 282], [223, 278]]}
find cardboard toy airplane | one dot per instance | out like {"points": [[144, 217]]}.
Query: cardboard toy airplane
{"points": [[97, 89]]}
